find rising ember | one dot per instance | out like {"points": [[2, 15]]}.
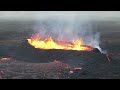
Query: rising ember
{"points": [[49, 43]]}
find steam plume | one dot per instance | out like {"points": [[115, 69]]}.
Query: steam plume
{"points": [[69, 30]]}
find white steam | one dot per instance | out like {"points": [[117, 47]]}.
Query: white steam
{"points": [[69, 30]]}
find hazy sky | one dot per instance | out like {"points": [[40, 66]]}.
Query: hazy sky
{"points": [[59, 14]]}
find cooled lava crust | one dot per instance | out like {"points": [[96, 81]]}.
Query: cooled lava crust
{"points": [[28, 53]]}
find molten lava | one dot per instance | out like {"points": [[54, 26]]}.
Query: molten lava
{"points": [[49, 43]]}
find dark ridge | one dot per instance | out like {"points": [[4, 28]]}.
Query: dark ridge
{"points": [[28, 53]]}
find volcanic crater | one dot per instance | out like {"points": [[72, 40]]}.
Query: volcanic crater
{"points": [[29, 53]]}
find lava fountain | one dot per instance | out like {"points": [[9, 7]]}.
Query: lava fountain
{"points": [[48, 43]]}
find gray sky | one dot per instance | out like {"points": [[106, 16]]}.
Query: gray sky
{"points": [[59, 14]]}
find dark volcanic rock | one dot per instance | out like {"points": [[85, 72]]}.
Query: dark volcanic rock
{"points": [[28, 53], [96, 50]]}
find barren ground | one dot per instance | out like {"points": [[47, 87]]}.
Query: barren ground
{"points": [[12, 34]]}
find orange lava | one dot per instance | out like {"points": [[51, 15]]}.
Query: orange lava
{"points": [[49, 43]]}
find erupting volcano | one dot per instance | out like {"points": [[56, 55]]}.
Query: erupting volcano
{"points": [[49, 43]]}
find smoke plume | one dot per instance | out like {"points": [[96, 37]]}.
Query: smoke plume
{"points": [[69, 30]]}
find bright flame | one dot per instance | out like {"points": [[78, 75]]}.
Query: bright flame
{"points": [[49, 43]]}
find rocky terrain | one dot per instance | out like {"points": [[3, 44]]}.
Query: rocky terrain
{"points": [[84, 66]]}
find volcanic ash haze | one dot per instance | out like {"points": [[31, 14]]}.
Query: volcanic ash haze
{"points": [[69, 30]]}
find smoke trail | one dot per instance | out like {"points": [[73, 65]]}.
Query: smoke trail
{"points": [[69, 30]]}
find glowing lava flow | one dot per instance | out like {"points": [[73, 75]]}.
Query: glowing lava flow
{"points": [[49, 43]]}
